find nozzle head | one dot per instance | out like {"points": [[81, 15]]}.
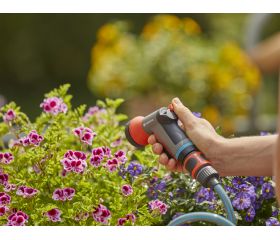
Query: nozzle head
{"points": [[135, 132]]}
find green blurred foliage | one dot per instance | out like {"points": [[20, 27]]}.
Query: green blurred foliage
{"points": [[172, 56], [40, 51]]}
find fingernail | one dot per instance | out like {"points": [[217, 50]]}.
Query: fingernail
{"points": [[176, 100]]}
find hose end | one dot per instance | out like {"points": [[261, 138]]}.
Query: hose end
{"points": [[208, 177]]}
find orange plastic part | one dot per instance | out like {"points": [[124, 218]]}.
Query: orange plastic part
{"points": [[201, 161], [137, 131], [170, 107]]}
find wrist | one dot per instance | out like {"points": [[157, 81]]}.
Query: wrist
{"points": [[217, 154]]}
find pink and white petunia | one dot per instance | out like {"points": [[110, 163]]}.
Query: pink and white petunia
{"points": [[85, 134], [158, 206], [54, 105], [6, 157], [3, 210], [74, 161], [63, 194], [101, 214], [54, 215], [4, 178], [127, 190], [112, 164], [18, 218], [26, 192], [95, 160], [9, 116], [121, 156], [10, 187], [34, 138], [98, 152], [4, 198]]}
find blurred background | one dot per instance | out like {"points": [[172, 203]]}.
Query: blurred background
{"points": [[222, 65]]}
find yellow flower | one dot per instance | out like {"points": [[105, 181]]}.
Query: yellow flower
{"points": [[253, 77], [169, 22], [107, 33], [190, 26], [160, 23], [211, 113]]}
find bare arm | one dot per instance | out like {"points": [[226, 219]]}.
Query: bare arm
{"points": [[246, 156], [267, 54]]}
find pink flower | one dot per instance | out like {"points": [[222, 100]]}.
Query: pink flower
{"points": [[4, 178], [18, 218], [98, 151], [98, 154], [92, 111], [95, 160], [4, 198], [121, 221], [58, 194], [3, 210], [6, 157], [74, 155], [34, 138], [26, 192], [54, 105], [131, 217], [69, 193], [112, 164], [158, 206], [54, 215], [85, 134], [101, 214], [120, 155], [24, 141], [9, 116], [63, 194], [10, 187], [74, 161], [127, 190], [107, 151]]}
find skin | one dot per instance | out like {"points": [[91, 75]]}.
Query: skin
{"points": [[245, 156]]}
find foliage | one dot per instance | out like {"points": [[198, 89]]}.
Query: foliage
{"points": [[171, 57], [39, 167], [75, 168]]}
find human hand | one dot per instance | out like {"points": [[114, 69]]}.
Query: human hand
{"points": [[199, 130]]}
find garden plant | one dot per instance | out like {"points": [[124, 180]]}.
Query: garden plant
{"points": [[173, 56], [73, 166]]}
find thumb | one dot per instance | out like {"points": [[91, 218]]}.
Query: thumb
{"points": [[183, 113]]}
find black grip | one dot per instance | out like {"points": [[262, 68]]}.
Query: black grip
{"points": [[192, 162]]}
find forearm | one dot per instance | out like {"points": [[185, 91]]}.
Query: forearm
{"points": [[246, 156]]}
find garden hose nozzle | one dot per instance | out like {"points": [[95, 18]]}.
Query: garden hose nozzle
{"points": [[163, 123]]}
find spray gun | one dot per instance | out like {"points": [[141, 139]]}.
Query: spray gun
{"points": [[163, 123]]}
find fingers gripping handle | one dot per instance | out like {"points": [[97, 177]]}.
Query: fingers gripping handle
{"points": [[163, 123]]}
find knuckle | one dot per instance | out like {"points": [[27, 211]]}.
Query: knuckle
{"points": [[190, 124]]}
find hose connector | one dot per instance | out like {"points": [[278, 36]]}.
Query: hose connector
{"points": [[208, 177]]}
